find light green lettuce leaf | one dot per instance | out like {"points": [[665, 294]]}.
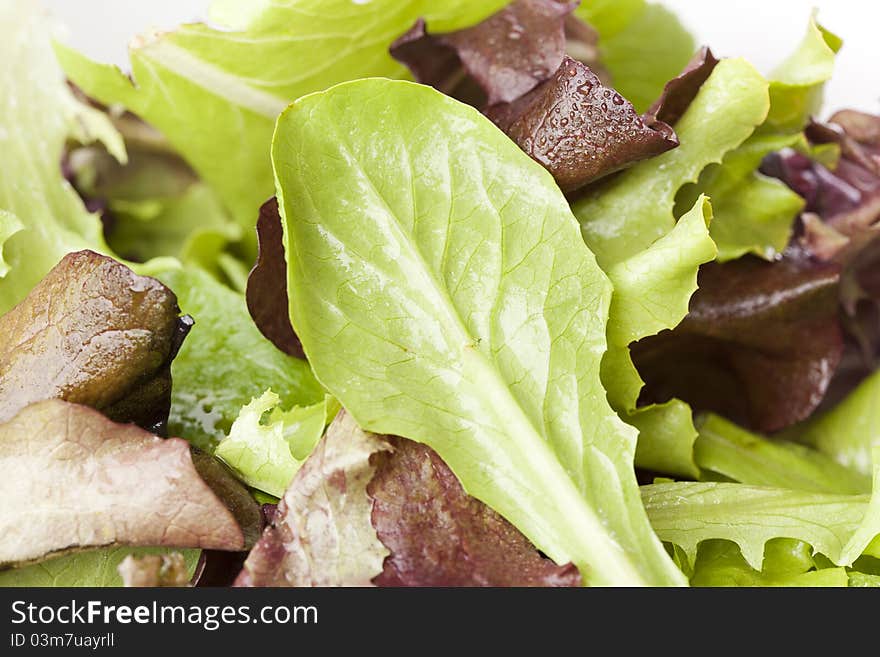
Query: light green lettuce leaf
{"points": [[849, 432], [752, 213], [652, 288], [625, 216], [225, 362], [242, 79], [838, 526], [441, 293], [42, 217], [89, 568], [745, 457], [666, 438], [797, 84], [651, 293], [630, 225], [643, 45], [266, 452], [786, 563]]}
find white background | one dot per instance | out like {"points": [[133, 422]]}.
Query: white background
{"points": [[763, 31]]}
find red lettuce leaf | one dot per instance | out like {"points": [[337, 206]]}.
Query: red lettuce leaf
{"points": [[266, 293], [84, 481], [760, 344], [579, 129], [504, 57], [514, 66], [679, 93], [93, 332], [368, 509], [438, 535]]}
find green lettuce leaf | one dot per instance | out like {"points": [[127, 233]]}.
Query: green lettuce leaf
{"points": [[653, 260], [626, 216], [739, 455], [243, 78], [225, 362], [643, 45], [267, 454], [850, 431], [754, 213], [91, 568], [441, 293], [651, 293], [798, 82], [41, 217], [838, 526], [786, 563], [156, 204]]}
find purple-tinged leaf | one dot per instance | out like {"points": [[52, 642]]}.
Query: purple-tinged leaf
{"points": [[505, 56], [94, 333], [679, 93], [83, 481], [438, 535], [760, 344], [266, 293], [579, 129]]}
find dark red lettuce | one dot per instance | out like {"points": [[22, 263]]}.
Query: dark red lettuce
{"points": [[679, 93], [498, 60], [579, 129], [377, 509], [514, 67], [759, 345], [438, 535], [94, 333], [266, 293]]}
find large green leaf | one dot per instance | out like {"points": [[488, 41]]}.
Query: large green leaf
{"points": [[442, 293], [41, 217], [838, 526], [241, 79]]}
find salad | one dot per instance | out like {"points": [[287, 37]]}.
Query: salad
{"points": [[423, 293]]}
